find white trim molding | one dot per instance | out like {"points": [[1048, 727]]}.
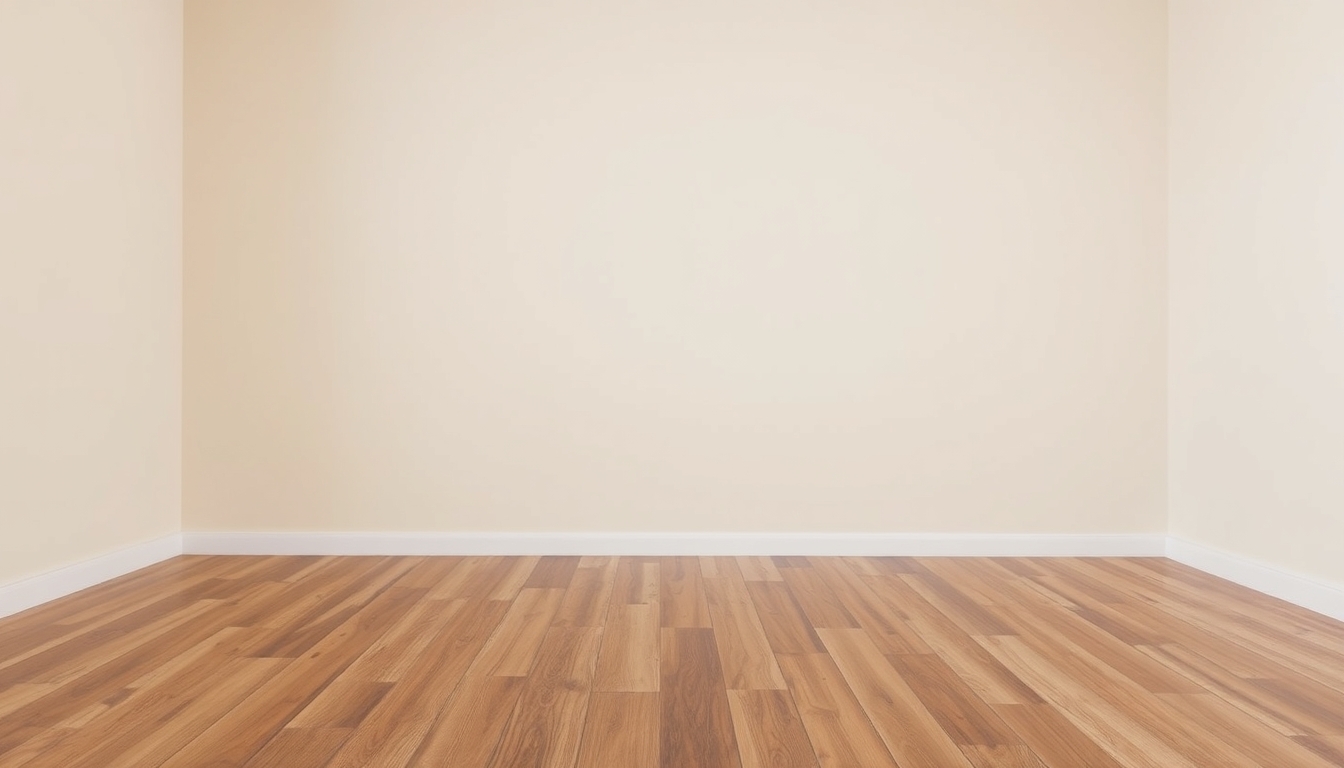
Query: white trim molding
{"points": [[44, 587], [818, 544], [1319, 596]]}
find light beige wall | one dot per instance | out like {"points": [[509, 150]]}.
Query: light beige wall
{"points": [[90, 278], [1257, 280], [730, 265]]}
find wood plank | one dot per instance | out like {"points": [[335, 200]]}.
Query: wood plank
{"points": [[341, 705], [1016, 756], [548, 720], [622, 729], [841, 733], [390, 655], [629, 659], [637, 581], [696, 725], [962, 715], [553, 573], [972, 617], [911, 733], [175, 722], [472, 725], [1236, 690], [1048, 621], [993, 682], [522, 572], [110, 678], [1328, 748], [758, 569], [390, 735], [1162, 721], [769, 732], [895, 566], [473, 578], [887, 629], [512, 649], [1267, 633], [247, 727], [817, 599], [782, 619], [744, 650], [1242, 732], [425, 573], [1054, 738], [586, 599], [293, 748], [1130, 742], [682, 593]]}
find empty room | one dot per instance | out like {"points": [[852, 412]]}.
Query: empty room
{"points": [[653, 384]]}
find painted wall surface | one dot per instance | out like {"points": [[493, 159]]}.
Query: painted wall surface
{"points": [[90, 278], [729, 265], [1257, 281]]}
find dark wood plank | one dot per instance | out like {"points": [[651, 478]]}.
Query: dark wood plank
{"points": [[697, 727]]}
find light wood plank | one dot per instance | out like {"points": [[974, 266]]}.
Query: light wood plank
{"points": [[744, 650], [513, 647], [841, 733], [911, 733], [770, 733], [621, 730], [629, 659]]}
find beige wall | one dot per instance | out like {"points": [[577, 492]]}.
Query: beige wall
{"points": [[725, 265], [1257, 280], [90, 278]]}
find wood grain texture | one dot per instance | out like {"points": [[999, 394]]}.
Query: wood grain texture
{"points": [[621, 729], [769, 731], [697, 728], [841, 733], [744, 650], [911, 733], [547, 722], [630, 649], [514, 645], [682, 593], [757, 662]]}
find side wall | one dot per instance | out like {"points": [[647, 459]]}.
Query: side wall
{"points": [[90, 279], [1257, 282], [700, 266]]}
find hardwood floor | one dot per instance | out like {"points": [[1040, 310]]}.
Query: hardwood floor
{"points": [[679, 662]]}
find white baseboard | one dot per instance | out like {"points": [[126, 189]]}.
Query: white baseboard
{"points": [[820, 544], [1312, 594], [44, 587]]}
